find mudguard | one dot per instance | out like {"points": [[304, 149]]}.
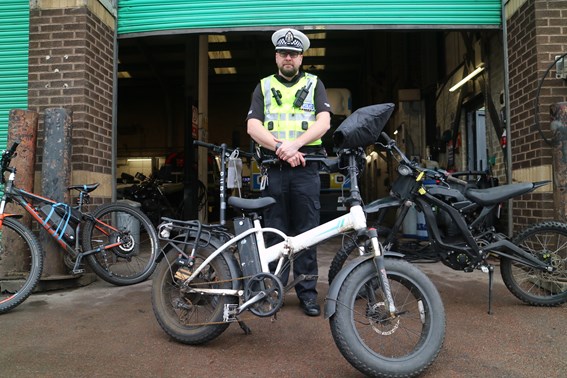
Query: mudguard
{"points": [[331, 299], [233, 266], [382, 203]]}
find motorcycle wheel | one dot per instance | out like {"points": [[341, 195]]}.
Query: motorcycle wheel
{"points": [[548, 242], [377, 344], [191, 318]]}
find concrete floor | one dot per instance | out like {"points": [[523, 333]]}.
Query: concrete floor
{"points": [[107, 331]]}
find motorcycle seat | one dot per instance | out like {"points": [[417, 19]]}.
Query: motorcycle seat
{"points": [[497, 194]]}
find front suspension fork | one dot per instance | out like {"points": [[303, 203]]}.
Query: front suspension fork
{"points": [[378, 260]]}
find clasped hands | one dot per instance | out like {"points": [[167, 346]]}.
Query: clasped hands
{"points": [[289, 152]]}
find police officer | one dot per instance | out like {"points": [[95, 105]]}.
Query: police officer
{"points": [[288, 116]]}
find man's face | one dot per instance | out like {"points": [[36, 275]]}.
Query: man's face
{"points": [[288, 62]]}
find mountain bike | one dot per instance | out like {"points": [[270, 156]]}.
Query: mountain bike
{"points": [[386, 316], [117, 240]]}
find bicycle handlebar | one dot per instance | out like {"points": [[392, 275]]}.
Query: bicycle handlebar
{"points": [[7, 157], [219, 149]]}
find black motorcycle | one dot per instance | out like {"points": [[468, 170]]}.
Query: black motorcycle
{"points": [[459, 219]]}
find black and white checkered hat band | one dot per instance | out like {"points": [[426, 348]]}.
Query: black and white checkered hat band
{"points": [[294, 45]]}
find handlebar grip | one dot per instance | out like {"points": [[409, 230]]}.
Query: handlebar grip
{"points": [[386, 136], [203, 144], [456, 180], [13, 148]]}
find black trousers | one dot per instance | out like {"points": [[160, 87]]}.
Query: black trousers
{"points": [[297, 209]]}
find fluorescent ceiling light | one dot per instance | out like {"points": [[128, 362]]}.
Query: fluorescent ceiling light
{"points": [[139, 159], [478, 70], [317, 51], [216, 38], [225, 70], [321, 35], [124, 75], [224, 54]]}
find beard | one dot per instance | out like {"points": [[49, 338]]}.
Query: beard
{"points": [[289, 71]]}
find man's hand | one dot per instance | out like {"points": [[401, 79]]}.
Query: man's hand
{"points": [[289, 152]]}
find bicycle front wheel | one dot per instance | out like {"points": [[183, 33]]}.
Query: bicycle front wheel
{"points": [[133, 260], [381, 345], [22, 263]]}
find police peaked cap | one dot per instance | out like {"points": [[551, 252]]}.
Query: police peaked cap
{"points": [[290, 39]]}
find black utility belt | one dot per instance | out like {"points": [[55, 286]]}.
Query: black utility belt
{"points": [[310, 150]]}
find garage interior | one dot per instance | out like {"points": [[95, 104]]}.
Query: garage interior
{"points": [[158, 85]]}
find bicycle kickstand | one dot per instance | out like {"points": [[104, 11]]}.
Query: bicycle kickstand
{"points": [[245, 328], [490, 284], [76, 268]]}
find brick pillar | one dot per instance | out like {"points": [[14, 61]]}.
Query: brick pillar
{"points": [[71, 66]]}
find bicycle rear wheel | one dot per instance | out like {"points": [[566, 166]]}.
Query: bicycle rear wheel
{"points": [[22, 263], [131, 262], [187, 315]]}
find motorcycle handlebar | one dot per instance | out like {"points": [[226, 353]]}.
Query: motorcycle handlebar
{"points": [[438, 173]]}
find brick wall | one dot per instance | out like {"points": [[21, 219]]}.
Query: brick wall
{"points": [[537, 31], [71, 66]]}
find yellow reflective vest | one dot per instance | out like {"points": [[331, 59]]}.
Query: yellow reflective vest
{"points": [[284, 120]]}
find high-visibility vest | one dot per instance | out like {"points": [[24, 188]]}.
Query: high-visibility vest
{"points": [[285, 121]]}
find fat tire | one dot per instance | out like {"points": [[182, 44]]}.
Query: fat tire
{"points": [[349, 250], [118, 267], [371, 361], [166, 293], [515, 275], [12, 293]]}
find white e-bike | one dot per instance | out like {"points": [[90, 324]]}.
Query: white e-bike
{"points": [[386, 316]]}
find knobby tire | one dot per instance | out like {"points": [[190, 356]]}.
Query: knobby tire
{"points": [[127, 264], [22, 263], [546, 241]]}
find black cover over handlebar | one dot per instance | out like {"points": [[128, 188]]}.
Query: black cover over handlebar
{"points": [[363, 127]]}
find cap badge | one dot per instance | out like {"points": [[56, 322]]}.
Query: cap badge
{"points": [[289, 37]]}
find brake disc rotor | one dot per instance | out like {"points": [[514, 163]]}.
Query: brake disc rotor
{"points": [[379, 322]]}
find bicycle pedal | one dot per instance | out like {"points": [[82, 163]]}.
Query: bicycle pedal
{"points": [[230, 312], [182, 274], [78, 271]]}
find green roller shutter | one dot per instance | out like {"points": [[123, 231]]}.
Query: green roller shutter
{"points": [[159, 16], [14, 48]]}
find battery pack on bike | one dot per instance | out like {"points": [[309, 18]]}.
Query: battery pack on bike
{"points": [[247, 248]]}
